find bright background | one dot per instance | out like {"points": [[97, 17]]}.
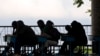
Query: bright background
{"points": [[59, 11]]}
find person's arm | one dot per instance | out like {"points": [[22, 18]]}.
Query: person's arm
{"points": [[46, 35]]}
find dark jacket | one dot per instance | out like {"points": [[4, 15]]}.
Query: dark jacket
{"points": [[26, 35], [53, 32]]}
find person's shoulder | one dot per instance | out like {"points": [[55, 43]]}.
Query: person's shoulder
{"points": [[26, 26], [55, 29]]}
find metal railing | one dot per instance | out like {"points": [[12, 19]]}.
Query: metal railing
{"points": [[61, 28]]}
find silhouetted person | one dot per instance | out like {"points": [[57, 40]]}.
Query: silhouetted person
{"points": [[41, 25], [12, 40], [51, 34], [25, 36], [14, 25], [78, 33], [64, 49]]}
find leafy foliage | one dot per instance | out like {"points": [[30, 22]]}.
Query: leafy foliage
{"points": [[78, 2], [89, 11]]}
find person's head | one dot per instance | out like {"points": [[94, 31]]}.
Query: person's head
{"points": [[20, 24], [14, 24], [40, 23], [49, 23], [68, 27], [74, 23]]}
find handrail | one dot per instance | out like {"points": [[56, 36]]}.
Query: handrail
{"points": [[37, 26], [8, 29]]}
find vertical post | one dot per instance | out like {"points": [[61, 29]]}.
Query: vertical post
{"points": [[95, 23]]}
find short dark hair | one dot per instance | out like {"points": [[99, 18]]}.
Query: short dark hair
{"points": [[14, 24], [49, 22]]}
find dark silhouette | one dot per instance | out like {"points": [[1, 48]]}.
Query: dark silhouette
{"points": [[51, 34], [14, 25], [12, 40], [41, 25], [64, 49], [25, 36], [78, 33]]}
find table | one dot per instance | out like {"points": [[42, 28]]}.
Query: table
{"points": [[9, 38]]}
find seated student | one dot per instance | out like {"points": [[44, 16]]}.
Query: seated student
{"points": [[51, 34], [25, 36], [64, 49], [12, 41], [41, 25], [78, 33]]}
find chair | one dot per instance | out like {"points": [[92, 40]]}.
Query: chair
{"points": [[70, 40], [42, 40], [52, 49], [10, 39]]}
